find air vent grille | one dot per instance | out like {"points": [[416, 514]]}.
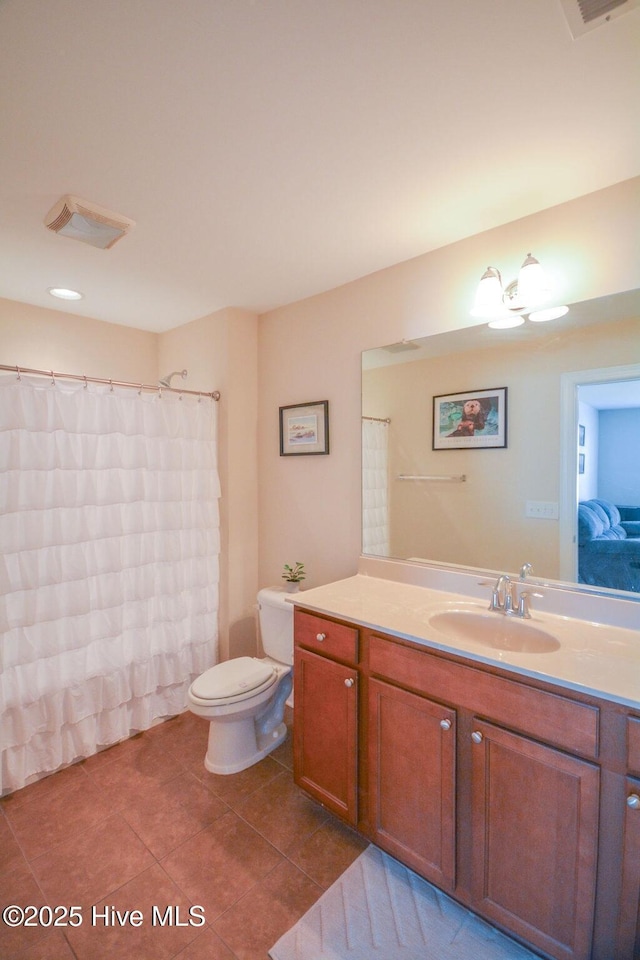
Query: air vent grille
{"points": [[87, 222], [592, 9], [585, 15]]}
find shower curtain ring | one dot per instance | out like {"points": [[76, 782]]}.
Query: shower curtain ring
{"points": [[18, 372], [140, 391], [85, 381], [53, 379]]}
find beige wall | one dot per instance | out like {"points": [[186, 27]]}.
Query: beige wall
{"points": [[310, 350], [67, 343], [482, 522]]}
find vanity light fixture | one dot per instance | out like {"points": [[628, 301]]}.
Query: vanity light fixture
{"points": [[507, 306]]}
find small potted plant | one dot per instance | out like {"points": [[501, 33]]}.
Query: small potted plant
{"points": [[293, 576]]}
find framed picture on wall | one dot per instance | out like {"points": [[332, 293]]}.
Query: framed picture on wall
{"points": [[581, 463], [473, 420], [580, 435], [304, 429]]}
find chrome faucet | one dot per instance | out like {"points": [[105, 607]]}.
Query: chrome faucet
{"points": [[502, 595], [505, 599]]}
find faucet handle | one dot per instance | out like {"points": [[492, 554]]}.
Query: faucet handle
{"points": [[523, 603], [496, 603]]}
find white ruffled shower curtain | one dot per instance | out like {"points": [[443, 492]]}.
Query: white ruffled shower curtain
{"points": [[109, 537], [375, 487]]}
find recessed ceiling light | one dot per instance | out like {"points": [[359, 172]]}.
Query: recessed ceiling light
{"points": [[62, 293], [551, 313]]}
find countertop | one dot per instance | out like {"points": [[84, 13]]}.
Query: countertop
{"points": [[592, 658]]}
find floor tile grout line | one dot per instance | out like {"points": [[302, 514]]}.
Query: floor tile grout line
{"points": [[250, 893], [77, 833], [7, 800], [236, 814]]}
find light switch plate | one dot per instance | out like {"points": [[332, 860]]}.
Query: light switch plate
{"points": [[541, 509]]}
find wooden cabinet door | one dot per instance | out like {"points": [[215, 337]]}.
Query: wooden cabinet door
{"points": [[325, 734], [628, 928], [412, 780], [535, 831]]}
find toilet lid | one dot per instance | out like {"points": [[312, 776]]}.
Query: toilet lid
{"points": [[231, 678]]}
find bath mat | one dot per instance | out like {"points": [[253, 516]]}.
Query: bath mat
{"points": [[378, 908]]}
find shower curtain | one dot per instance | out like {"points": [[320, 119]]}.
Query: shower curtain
{"points": [[375, 487], [109, 535]]}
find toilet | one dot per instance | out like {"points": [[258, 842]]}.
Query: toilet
{"points": [[244, 698]]}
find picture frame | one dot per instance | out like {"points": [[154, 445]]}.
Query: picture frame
{"points": [[304, 429], [473, 420], [581, 434], [581, 463]]}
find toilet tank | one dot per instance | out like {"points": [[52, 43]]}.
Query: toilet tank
{"points": [[276, 624]]}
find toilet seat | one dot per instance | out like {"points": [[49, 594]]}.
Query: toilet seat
{"points": [[233, 681]]}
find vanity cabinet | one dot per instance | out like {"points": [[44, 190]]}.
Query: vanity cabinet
{"points": [[412, 770], [496, 787], [534, 816], [520, 820], [628, 927], [325, 733]]}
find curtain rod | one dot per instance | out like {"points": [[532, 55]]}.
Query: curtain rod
{"points": [[214, 394], [378, 419]]}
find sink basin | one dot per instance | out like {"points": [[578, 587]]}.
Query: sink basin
{"points": [[494, 630]]}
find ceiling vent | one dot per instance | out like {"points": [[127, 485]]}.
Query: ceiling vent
{"points": [[80, 220], [585, 15]]}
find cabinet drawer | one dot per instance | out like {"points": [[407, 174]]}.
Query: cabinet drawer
{"points": [[325, 636], [633, 745], [545, 716]]}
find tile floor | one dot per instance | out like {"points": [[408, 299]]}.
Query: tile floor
{"points": [[143, 825]]}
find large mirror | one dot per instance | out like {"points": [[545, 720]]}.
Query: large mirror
{"points": [[442, 484]]}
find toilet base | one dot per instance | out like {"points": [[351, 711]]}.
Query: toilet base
{"points": [[235, 746]]}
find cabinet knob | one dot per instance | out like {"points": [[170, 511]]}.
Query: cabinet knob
{"points": [[633, 801], [476, 736], [348, 682], [321, 636], [445, 724]]}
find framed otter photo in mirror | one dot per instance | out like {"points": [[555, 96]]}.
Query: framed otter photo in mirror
{"points": [[476, 419]]}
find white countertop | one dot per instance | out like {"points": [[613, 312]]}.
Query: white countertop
{"points": [[593, 658]]}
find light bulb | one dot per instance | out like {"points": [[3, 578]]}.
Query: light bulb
{"points": [[532, 283], [488, 300]]}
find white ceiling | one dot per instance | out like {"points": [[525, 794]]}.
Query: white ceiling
{"points": [[618, 395], [272, 149]]}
